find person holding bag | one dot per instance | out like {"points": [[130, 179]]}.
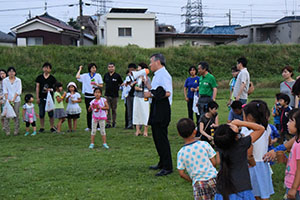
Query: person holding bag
{"points": [[12, 90]]}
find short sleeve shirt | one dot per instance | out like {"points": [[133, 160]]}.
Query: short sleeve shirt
{"points": [[206, 85], [207, 122], [286, 88], [195, 158], [112, 84], [239, 164], [243, 77], [191, 83], [291, 166], [98, 113], [232, 116], [88, 82], [56, 104], [45, 84]]}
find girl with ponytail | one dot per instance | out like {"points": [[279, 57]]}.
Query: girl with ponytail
{"points": [[257, 111], [233, 180]]}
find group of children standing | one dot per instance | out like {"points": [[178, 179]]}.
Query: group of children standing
{"points": [[241, 148]]}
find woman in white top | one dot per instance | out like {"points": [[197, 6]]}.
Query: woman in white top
{"points": [[12, 89], [89, 81]]}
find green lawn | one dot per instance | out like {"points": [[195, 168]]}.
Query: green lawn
{"points": [[50, 166]]}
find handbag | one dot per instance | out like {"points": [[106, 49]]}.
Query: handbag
{"points": [[49, 103], [8, 111], [195, 101]]}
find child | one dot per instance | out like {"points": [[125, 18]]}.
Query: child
{"points": [[99, 108], [292, 173], [73, 109], [257, 112], [233, 180], [234, 72], [59, 111], [198, 158], [29, 116], [236, 111], [208, 121], [284, 101], [275, 112]]}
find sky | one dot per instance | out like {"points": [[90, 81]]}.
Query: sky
{"points": [[215, 12]]}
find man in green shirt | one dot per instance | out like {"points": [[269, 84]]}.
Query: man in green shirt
{"points": [[207, 87]]}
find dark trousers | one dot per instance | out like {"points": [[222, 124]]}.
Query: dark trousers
{"points": [[129, 103], [161, 141], [202, 104], [88, 114], [126, 116], [112, 112], [190, 110]]}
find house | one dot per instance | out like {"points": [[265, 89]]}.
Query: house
{"points": [[89, 24], [7, 39], [199, 36], [44, 30], [284, 31], [127, 26]]}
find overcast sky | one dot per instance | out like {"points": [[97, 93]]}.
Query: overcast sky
{"points": [[167, 11]]}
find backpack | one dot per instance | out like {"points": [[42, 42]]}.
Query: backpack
{"points": [[251, 88]]}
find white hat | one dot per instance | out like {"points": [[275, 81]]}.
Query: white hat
{"points": [[71, 84]]}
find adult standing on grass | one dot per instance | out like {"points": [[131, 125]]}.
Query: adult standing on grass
{"points": [[207, 87], [12, 90], [160, 112], [89, 81], [2, 98], [241, 87], [112, 82], [190, 89], [287, 85], [44, 83]]}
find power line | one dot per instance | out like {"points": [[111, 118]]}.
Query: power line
{"points": [[38, 7]]}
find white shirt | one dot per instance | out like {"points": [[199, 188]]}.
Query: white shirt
{"points": [[163, 78], [260, 146], [243, 77], [86, 80], [12, 88]]}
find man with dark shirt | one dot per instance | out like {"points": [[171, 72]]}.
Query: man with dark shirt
{"points": [[112, 82], [44, 83]]}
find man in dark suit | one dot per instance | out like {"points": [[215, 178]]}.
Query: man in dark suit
{"points": [[161, 91]]}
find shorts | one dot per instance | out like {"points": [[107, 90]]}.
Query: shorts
{"points": [[244, 195], [42, 109], [74, 116], [297, 194], [28, 124], [205, 190]]}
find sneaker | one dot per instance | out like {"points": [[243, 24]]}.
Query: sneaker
{"points": [[41, 130], [108, 126], [33, 134], [53, 130], [91, 146], [69, 131], [105, 146], [98, 129], [113, 125], [26, 134], [87, 129]]}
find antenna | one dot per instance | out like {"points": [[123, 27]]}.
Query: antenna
{"points": [[45, 6], [101, 6], [193, 14]]}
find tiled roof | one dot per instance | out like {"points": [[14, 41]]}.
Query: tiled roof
{"points": [[6, 38], [221, 30], [288, 18]]}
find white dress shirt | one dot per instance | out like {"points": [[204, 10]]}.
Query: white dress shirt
{"points": [[164, 79]]}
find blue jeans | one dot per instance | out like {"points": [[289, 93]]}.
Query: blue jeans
{"points": [[297, 194], [243, 101]]}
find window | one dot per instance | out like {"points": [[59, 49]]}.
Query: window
{"points": [[102, 33], [125, 32], [31, 41]]}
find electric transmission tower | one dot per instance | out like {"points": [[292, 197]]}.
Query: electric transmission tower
{"points": [[101, 6], [193, 14]]}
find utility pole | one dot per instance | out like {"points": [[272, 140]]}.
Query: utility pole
{"points": [[229, 16], [80, 22]]}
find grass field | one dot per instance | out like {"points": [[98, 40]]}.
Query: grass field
{"points": [[51, 166]]}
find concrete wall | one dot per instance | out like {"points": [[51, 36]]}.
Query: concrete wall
{"points": [[175, 42], [7, 44]]}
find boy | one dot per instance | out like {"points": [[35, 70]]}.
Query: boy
{"points": [[284, 101], [198, 158], [275, 112], [208, 122], [234, 72], [235, 112]]}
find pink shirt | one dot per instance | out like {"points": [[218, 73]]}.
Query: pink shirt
{"points": [[291, 166], [98, 113]]}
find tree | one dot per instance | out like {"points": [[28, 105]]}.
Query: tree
{"points": [[73, 23]]}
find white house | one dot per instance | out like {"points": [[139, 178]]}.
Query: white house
{"points": [[127, 26]]}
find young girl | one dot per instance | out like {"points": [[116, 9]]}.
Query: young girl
{"points": [[233, 180], [99, 107], [292, 173], [29, 116], [208, 121], [59, 111], [257, 111], [73, 109]]}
